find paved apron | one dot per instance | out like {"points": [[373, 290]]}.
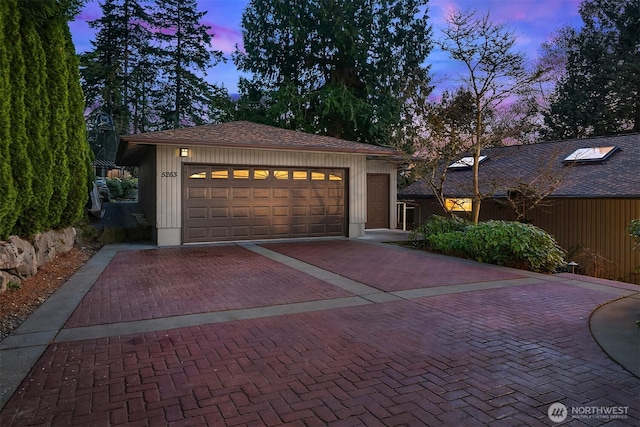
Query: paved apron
{"points": [[330, 332]]}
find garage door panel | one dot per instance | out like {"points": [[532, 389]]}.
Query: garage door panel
{"points": [[300, 229], [219, 233], [317, 210], [280, 211], [300, 193], [300, 211], [239, 203], [281, 193], [196, 193], [197, 213], [335, 193], [261, 193], [238, 212], [280, 230], [261, 211], [240, 232], [197, 233], [334, 210], [261, 232], [219, 212], [318, 229], [219, 193], [241, 193]]}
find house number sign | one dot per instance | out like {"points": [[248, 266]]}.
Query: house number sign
{"points": [[169, 174]]}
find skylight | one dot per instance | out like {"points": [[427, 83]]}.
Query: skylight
{"points": [[592, 154], [465, 162]]}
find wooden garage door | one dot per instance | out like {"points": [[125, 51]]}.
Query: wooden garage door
{"points": [[240, 203]]}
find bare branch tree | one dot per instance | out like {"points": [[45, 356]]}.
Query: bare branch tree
{"points": [[446, 132], [494, 75], [532, 192]]}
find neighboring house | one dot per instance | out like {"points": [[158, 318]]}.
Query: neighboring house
{"points": [[596, 196], [247, 181], [107, 168]]}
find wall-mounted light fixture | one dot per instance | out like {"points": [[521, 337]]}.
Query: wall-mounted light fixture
{"points": [[184, 152]]}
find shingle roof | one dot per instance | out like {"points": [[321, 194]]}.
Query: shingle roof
{"points": [[241, 134], [618, 176], [100, 163]]}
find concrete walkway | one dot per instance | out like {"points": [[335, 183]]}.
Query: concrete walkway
{"points": [[330, 332]]}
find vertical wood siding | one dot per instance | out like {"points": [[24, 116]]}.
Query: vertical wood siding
{"points": [[597, 224], [147, 183], [169, 187]]}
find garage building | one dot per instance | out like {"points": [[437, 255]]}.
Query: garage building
{"points": [[248, 181]]}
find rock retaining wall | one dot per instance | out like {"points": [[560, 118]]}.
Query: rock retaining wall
{"points": [[21, 258]]}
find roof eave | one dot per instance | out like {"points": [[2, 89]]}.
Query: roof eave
{"points": [[129, 143]]}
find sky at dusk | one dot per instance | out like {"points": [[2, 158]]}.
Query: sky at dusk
{"points": [[533, 21]]}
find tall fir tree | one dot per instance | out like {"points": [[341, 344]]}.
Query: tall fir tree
{"points": [[182, 95], [343, 68], [142, 79], [7, 188], [122, 38], [600, 91]]}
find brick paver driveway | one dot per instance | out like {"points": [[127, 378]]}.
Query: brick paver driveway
{"points": [[340, 333]]}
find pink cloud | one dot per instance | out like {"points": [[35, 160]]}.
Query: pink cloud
{"points": [[89, 14], [225, 39]]}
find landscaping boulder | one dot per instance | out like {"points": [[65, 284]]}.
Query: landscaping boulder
{"points": [[6, 279], [8, 256], [22, 257], [48, 245]]}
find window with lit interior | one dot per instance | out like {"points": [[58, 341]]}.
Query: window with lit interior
{"points": [[457, 204]]}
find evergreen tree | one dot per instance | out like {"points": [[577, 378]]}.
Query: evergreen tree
{"points": [[38, 64], [182, 96], [53, 36], [344, 68], [77, 148], [600, 91], [122, 33], [7, 188], [20, 163], [37, 104], [141, 79]]}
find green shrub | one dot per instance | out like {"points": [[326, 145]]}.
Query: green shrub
{"points": [[512, 244], [128, 185], [634, 232], [121, 188], [115, 187], [450, 243], [434, 226]]}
